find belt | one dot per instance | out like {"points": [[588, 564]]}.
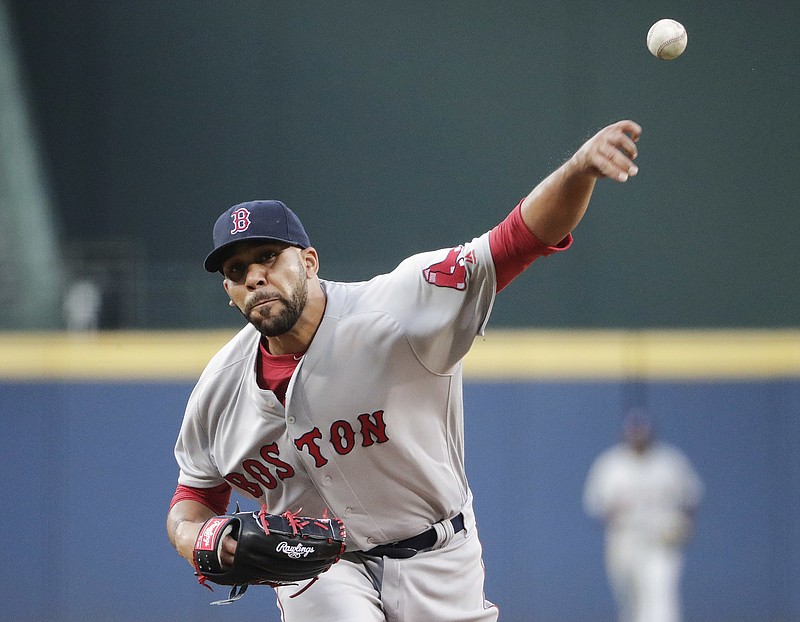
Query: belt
{"points": [[416, 544]]}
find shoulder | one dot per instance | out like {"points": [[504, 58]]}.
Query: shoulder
{"points": [[451, 268], [668, 451], [229, 364], [615, 452], [241, 347], [673, 457], [612, 458]]}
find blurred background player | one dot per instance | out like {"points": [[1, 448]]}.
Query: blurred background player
{"points": [[646, 493], [82, 306]]}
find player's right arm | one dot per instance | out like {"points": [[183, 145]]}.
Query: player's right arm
{"points": [[554, 208], [543, 221]]}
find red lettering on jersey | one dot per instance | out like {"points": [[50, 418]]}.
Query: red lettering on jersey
{"points": [[260, 473], [342, 437], [241, 220], [307, 441], [373, 428], [267, 472], [270, 454], [451, 271], [240, 481]]}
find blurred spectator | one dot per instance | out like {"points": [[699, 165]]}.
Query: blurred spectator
{"points": [[646, 493], [82, 304]]}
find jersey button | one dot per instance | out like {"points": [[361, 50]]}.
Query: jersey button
{"points": [[371, 540], [348, 511], [290, 419], [271, 403], [327, 480]]}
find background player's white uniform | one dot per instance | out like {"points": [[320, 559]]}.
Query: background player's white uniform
{"points": [[385, 457], [647, 500]]}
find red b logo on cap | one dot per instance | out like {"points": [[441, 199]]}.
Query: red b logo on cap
{"points": [[241, 220]]}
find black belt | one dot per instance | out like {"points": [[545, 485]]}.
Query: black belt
{"points": [[411, 546]]}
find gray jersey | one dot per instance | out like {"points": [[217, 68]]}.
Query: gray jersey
{"points": [[642, 496], [373, 428]]}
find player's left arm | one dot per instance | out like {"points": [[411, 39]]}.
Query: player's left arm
{"points": [[554, 207]]}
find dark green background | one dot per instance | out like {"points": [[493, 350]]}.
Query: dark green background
{"points": [[398, 127]]}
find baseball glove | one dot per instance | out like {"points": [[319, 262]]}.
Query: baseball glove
{"points": [[271, 550]]}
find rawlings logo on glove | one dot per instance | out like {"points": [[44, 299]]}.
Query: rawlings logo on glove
{"points": [[271, 550], [295, 552]]}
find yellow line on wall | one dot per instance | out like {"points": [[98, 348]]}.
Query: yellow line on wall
{"points": [[500, 355], [164, 355], [665, 355]]}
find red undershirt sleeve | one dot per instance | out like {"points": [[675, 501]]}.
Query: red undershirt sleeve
{"points": [[514, 247], [216, 499]]}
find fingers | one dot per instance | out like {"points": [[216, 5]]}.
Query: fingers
{"points": [[627, 141], [611, 152], [227, 551], [620, 164], [624, 135], [631, 128]]}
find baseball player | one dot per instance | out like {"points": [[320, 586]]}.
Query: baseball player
{"points": [[345, 399], [646, 493]]}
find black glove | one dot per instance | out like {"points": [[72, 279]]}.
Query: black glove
{"points": [[271, 549]]}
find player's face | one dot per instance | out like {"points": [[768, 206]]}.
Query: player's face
{"points": [[268, 284], [639, 437]]}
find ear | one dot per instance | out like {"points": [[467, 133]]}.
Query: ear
{"points": [[310, 260], [225, 285]]}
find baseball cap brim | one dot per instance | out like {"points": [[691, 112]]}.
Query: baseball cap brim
{"points": [[217, 257]]}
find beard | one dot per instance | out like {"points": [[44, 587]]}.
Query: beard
{"points": [[284, 312]]}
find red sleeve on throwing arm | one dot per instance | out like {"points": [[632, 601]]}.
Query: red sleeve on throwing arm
{"points": [[216, 498], [514, 247]]}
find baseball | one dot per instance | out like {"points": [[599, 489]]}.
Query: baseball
{"points": [[667, 39]]}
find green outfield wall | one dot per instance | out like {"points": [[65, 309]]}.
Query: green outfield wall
{"points": [[397, 127]]}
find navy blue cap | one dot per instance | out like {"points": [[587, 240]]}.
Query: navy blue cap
{"points": [[255, 220]]}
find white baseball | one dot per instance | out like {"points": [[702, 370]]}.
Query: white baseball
{"points": [[667, 39]]}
